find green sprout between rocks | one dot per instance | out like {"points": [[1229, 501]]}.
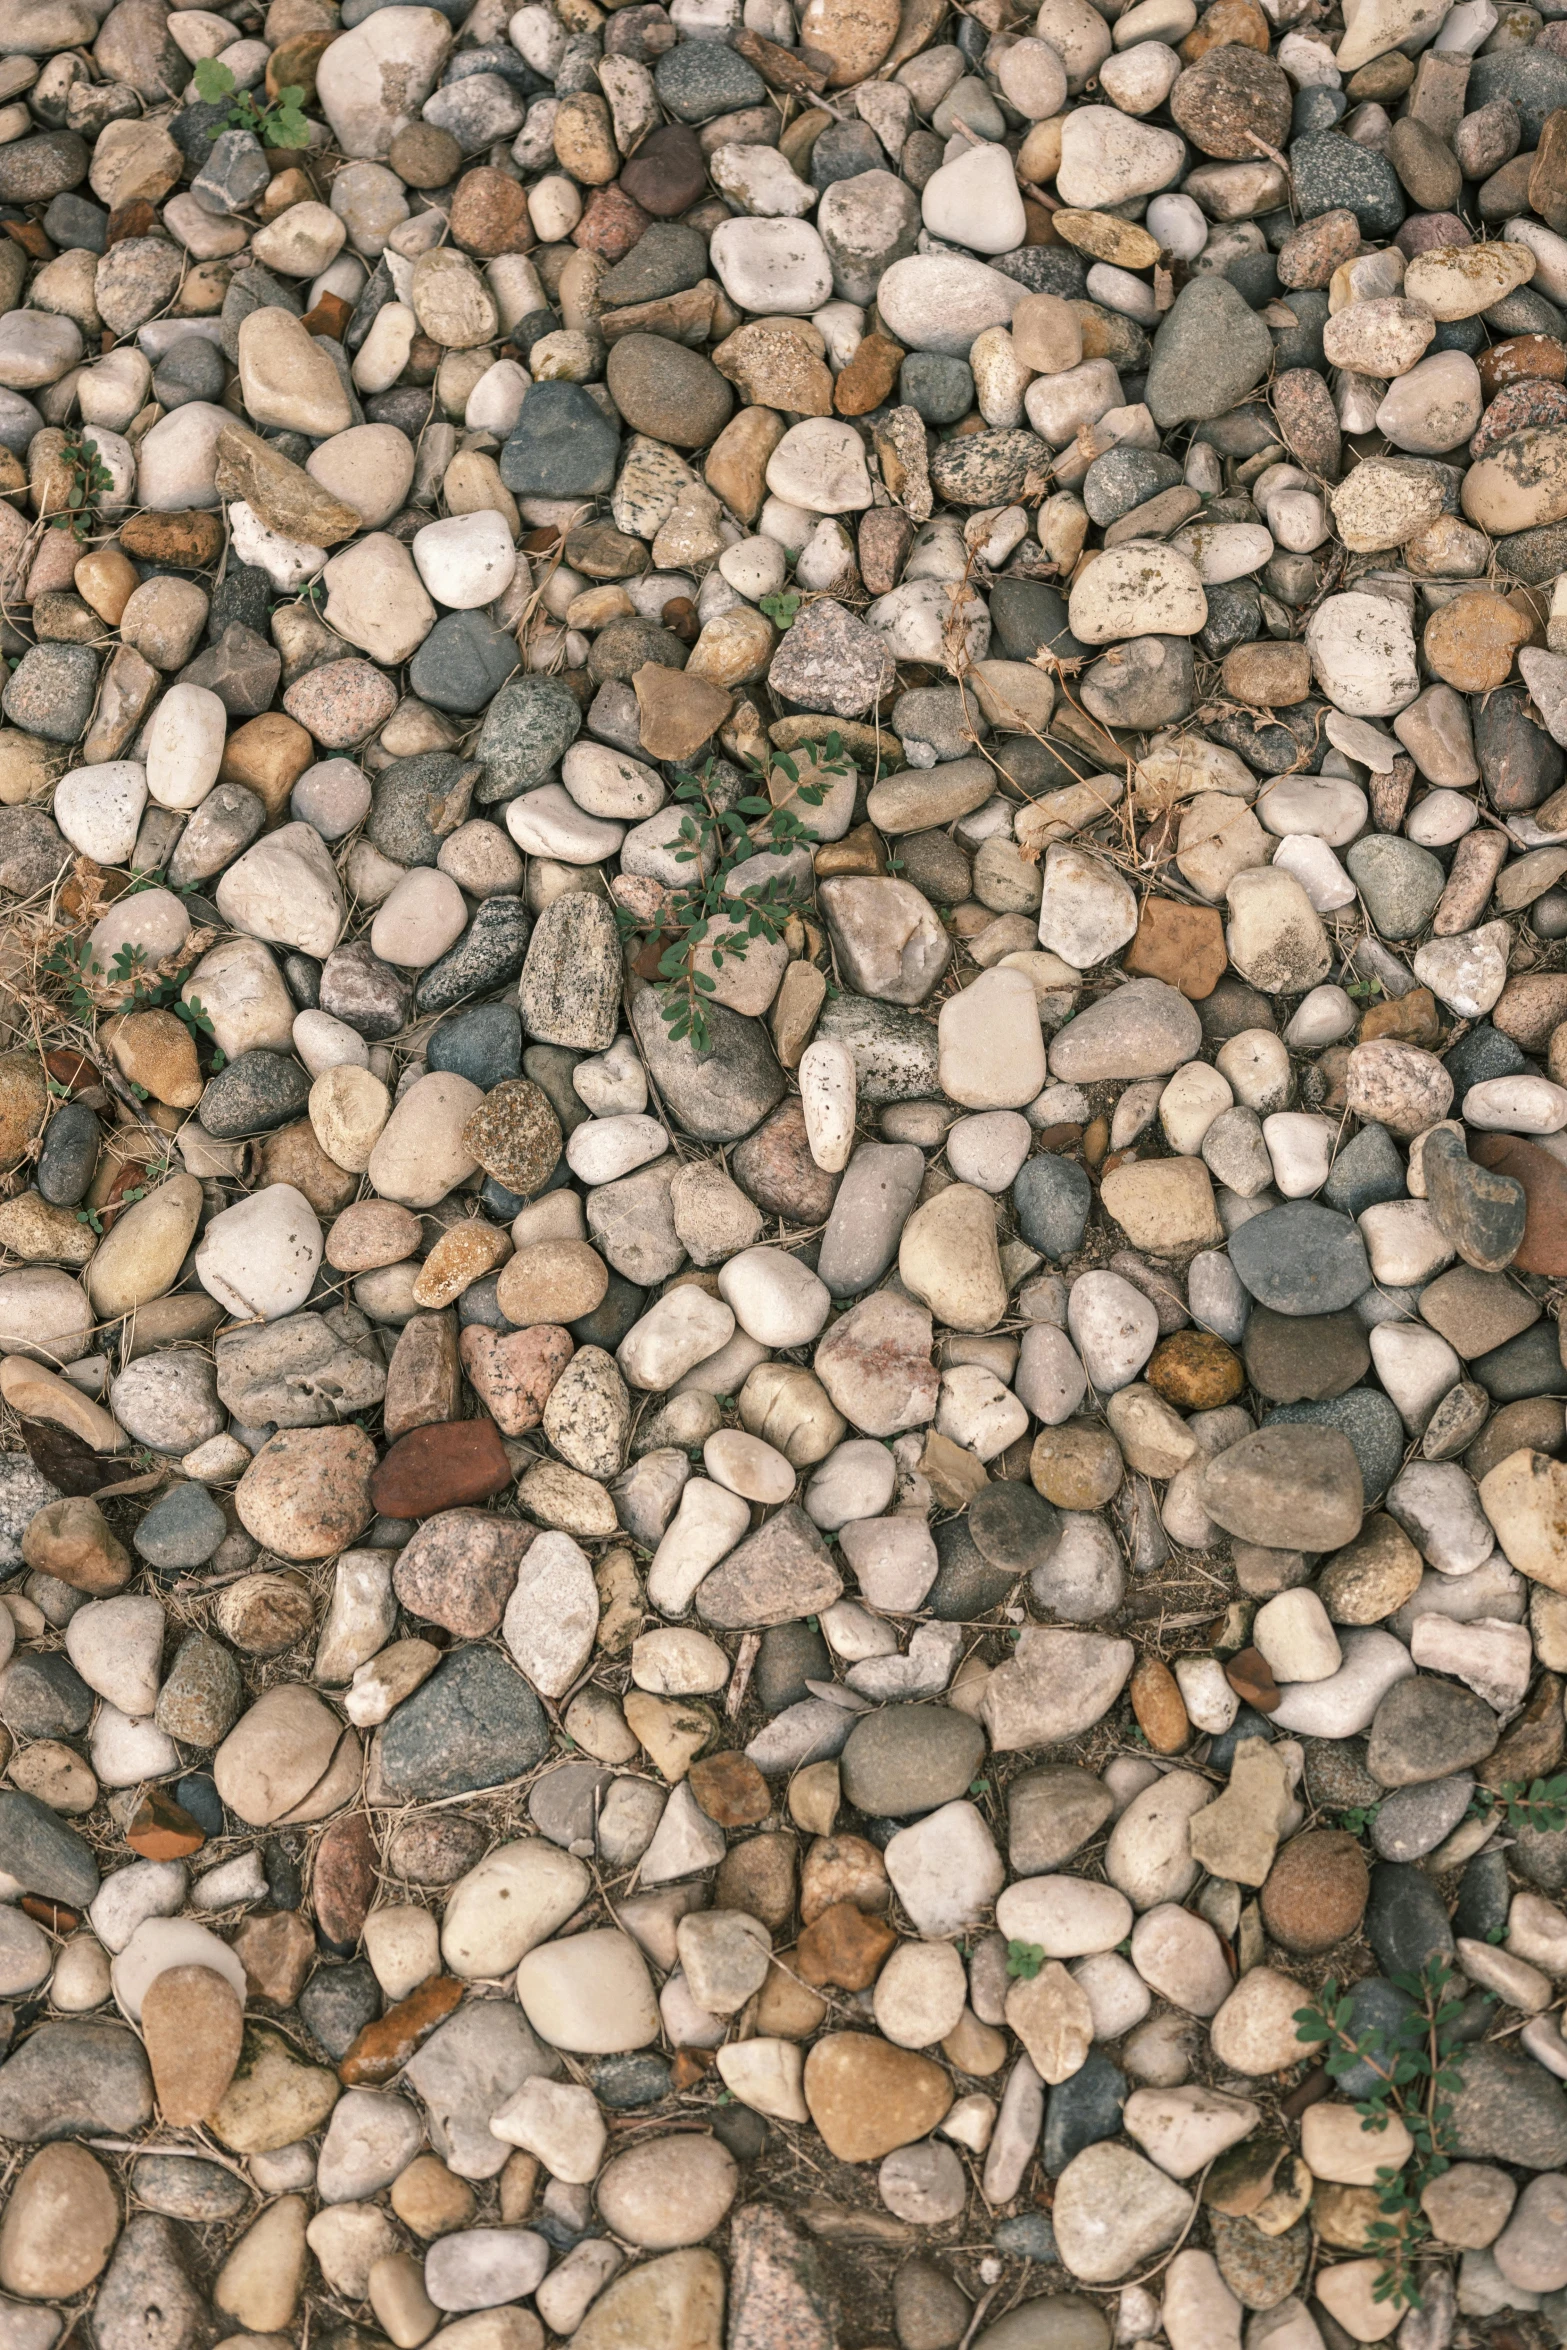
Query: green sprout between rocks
{"points": [[279, 124], [781, 609], [1024, 1960], [1540, 1804], [74, 964], [714, 915], [1416, 2082], [90, 483]]}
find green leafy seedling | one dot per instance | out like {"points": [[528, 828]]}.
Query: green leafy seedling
{"points": [[1024, 1960], [280, 123], [89, 482], [1415, 2079], [781, 609], [717, 914]]}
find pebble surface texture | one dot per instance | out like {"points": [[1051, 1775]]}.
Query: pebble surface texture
{"points": [[706, 1643]]}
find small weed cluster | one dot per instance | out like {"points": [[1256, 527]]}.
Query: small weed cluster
{"points": [[715, 914], [1024, 1960], [281, 123], [75, 966], [1416, 2081], [89, 484]]}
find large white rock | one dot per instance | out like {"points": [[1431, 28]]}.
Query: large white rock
{"points": [[99, 809], [185, 746], [374, 81], [1362, 654], [772, 268], [260, 1257], [1142, 589], [466, 560]]}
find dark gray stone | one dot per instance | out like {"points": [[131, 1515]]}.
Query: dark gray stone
{"points": [[255, 1093], [1406, 1919], [1301, 1259], [489, 953], [50, 691], [564, 445], [69, 1158], [337, 2003], [695, 81], [1332, 173], [1211, 350], [42, 1853], [528, 729], [1080, 2112], [467, 657], [84, 2079], [908, 1759], [42, 1695], [1368, 1170], [475, 1723], [484, 1044], [182, 1529]]}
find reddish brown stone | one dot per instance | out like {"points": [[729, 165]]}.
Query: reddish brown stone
{"points": [[440, 1468], [189, 541], [513, 1375], [329, 317], [731, 1790], [1252, 1680], [136, 219], [292, 64], [1534, 401], [774, 1167], [1182, 945], [490, 214], [1159, 1706], [1410, 1019], [611, 224], [1316, 1891], [1195, 1371], [342, 1883], [51, 1914], [163, 1829], [277, 1951], [800, 71], [460, 1569], [1521, 359], [668, 172], [1544, 1180], [869, 377], [1240, 21], [1530, 1007], [844, 1948], [1531, 1747], [385, 2046]]}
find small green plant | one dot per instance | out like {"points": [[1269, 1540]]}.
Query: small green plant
{"points": [[979, 1787], [1540, 1804], [281, 123], [781, 609], [89, 484], [1363, 990], [75, 966], [1358, 1817], [1416, 2082], [717, 914], [1024, 1960]]}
